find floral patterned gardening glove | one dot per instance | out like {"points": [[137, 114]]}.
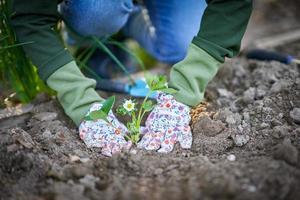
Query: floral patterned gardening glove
{"points": [[166, 125], [107, 136]]}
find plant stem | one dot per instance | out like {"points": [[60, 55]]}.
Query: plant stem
{"points": [[136, 121], [141, 109], [143, 115], [133, 117]]}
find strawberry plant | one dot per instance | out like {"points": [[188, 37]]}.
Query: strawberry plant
{"points": [[132, 108]]}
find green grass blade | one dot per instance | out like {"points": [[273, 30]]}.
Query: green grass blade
{"points": [[115, 59], [14, 45], [122, 46]]}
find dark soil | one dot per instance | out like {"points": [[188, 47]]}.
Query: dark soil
{"points": [[245, 146]]}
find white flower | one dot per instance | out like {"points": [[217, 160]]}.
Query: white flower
{"points": [[129, 105]]}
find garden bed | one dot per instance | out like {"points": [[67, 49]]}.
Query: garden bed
{"points": [[245, 146]]}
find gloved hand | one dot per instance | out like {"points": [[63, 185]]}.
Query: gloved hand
{"points": [[191, 75], [107, 136], [167, 124], [78, 97]]}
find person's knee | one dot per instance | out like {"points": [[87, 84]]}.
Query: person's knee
{"points": [[171, 52], [96, 17]]}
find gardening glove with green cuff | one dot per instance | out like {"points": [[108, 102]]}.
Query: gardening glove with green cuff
{"points": [[107, 135], [78, 97], [168, 123]]}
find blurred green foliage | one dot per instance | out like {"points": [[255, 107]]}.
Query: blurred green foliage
{"points": [[16, 71]]}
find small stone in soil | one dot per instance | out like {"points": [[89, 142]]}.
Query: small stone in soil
{"points": [[158, 171], [225, 93], [295, 115], [280, 131], [89, 181], [231, 157], [279, 86], [234, 119], [249, 95], [133, 151], [260, 93], [79, 171], [84, 160], [240, 140], [74, 158], [251, 188], [264, 125], [45, 116]]}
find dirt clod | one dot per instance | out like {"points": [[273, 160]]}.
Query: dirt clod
{"points": [[22, 137], [89, 181], [249, 95], [287, 152], [279, 86], [295, 115], [240, 140], [208, 127]]}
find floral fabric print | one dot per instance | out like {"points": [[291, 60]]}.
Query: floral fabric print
{"points": [[166, 125], [107, 136]]}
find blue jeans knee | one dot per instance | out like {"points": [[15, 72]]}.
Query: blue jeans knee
{"points": [[165, 28], [171, 52], [96, 17]]}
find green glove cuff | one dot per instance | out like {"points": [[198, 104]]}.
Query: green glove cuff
{"points": [[75, 92], [191, 75]]}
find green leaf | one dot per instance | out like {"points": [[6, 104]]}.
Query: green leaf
{"points": [[108, 104], [121, 110], [103, 112], [97, 114], [149, 79], [168, 90], [87, 118], [156, 82], [148, 105], [160, 82]]}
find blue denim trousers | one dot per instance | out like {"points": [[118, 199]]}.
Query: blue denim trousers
{"points": [[165, 28]]}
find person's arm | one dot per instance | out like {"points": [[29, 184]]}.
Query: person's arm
{"points": [[223, 25], [34, 22]]}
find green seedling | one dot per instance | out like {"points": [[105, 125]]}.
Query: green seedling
{"points": [[133, 109], [136, 111]]}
